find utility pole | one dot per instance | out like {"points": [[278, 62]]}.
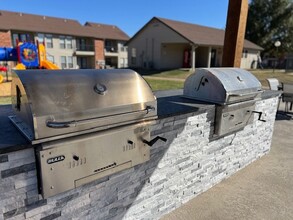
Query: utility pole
{"points": [[235, 33]]}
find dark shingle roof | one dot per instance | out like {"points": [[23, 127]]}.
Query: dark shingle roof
{"points": [[197, 34], [45, 24], [105, 31], [37, 23]]}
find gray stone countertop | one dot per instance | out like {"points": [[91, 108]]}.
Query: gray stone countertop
{"points": [[170, 103], [10, 138], [267, 94]]}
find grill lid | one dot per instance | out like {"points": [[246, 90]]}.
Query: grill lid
{"points": [[222, 85], [49, 103]]}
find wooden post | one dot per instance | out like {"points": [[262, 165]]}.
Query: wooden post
{"points": [[235, 33]]}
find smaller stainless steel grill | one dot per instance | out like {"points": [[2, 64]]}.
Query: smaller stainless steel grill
{"points": [[233, 90]]}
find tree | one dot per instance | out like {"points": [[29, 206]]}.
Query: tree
{"points": [[270, 21]]}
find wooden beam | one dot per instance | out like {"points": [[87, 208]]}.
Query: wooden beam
{"points": [[235, 33]]}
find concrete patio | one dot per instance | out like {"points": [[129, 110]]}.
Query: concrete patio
{"points": [[262, 190]]}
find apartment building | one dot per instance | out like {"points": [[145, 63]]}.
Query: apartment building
{"points": [[69, 44], [168, 44], [115, 51]]}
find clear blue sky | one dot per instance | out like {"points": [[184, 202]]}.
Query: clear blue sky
{"points": [[129, 15]]}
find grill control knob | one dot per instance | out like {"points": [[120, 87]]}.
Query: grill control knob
{"points": [[231, 117], [75, 157], [130, 142]]}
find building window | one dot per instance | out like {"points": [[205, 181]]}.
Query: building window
{"points": [[15, 39], [49, 41], [123, 62], [133, 56], [133, 60], [69, 42], [23, 37], [81, 44], [41, 38], [111, 46], [62, 42], [123, 49], [70, 62], [63, 62]]}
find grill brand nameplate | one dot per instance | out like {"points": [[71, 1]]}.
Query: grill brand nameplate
{"points": [[55, 159]]}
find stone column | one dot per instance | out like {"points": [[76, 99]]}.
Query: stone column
{"points": [[209, 57], [193, 56]]}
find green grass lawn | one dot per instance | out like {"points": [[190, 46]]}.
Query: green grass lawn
{"points": [[282, 76], [177, 74], [262, 75], [159, 84]]}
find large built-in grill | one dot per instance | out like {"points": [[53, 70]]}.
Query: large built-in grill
{"points": [[85, 124], [233, 90]]}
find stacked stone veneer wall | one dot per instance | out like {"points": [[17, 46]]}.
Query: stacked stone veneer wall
{"points": [[187, 165]]}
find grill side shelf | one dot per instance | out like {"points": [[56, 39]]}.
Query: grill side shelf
{"points": [[22, 127]]}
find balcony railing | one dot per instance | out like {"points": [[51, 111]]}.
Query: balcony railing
{"points": [[85, 48], [110, 49]]}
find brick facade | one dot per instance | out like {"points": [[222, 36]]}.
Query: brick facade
{"points": [[5, 39], [188, 164], [99, 53]]}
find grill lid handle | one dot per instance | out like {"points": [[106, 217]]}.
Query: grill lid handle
{"points": [[246, 94], [56, 124], [67, 124]]}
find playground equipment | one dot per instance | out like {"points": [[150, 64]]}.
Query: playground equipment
{"points": [[2, 69], [28, 56]]}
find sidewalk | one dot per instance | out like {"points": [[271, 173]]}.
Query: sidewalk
{"points": [[262, 190]]}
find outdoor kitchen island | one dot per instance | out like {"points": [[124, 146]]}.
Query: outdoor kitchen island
{"points": [[191, 161]]}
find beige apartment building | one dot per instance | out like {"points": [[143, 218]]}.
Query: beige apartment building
{"points": [[169, 44], [69, 44]]}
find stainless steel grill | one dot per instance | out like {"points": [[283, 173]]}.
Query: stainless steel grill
{"points": [[85, 124], [233, 90]]}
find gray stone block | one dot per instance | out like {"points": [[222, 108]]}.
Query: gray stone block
{"points": [[51, 216], [63, 201], [14, 212], [18, 170], [3, 158]]}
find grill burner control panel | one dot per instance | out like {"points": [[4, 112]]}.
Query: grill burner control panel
{"points": [[231, 118], [69, 163]]}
